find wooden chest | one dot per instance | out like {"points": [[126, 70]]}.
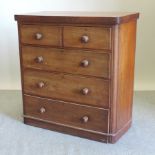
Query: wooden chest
{"points": [[77, 71]]}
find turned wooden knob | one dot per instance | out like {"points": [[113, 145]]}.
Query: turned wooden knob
{"points": [[85, 91], [42, 110], [84, 39], [84, 63], [85, 119], [39, 59], [41, 84], [38, 36]]}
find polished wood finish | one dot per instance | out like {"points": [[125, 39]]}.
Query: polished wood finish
{"points": [[87, 37], [71, 115], [70, 17], [67, 87], [52, 59], [66, 129], [126, 72], [41, 35], [77, 72]]}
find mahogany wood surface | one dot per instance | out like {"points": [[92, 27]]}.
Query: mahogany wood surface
{"points": [[106, 138], [127, 44], [51, 35], [66, 129], [67, 87], [82, 65], [66, 113], [72, 17], [98, 37], [69, 61]]}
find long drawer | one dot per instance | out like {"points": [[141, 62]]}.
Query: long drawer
{"points": [[91, 91], [69, 61], [69, 114]]}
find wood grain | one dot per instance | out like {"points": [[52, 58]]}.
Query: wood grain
{"points": [[93, 135], [74, 17], [99, 37], [51, 35], [67, 130], [67, 114], [82, 66], [127, 44], [67, 87], [69, 61]]}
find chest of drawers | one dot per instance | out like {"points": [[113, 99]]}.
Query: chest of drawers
{"points": [[77, 72]]}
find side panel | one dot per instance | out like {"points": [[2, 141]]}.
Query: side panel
{"points": [[127, 43], [123, 81]]}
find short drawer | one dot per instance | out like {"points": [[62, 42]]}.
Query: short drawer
{"points": [[87, 37], [41, 35], [90, 91], [69, 114], [69, 61]]}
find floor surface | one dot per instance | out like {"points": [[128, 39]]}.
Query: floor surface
{"points": [[17, 138]]}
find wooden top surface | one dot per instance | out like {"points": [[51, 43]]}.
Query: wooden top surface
{"points": [[78, 17]]}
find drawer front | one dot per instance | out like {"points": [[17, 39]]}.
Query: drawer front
{"points": [[91, 91], [41, 35], [95, 119], [87, 37], [69, 61]]}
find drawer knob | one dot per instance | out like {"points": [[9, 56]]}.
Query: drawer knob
{"points": [[39, 59], [41, 84], [84, 39], [42, 110], [84, 63], [85, 119], [38, 36], [85, 91]]}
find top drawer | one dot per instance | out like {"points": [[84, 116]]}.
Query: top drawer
{"points": [[41, 35], [87, 37]]}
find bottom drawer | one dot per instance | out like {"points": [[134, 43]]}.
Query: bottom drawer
{"points": [[68, 114]]}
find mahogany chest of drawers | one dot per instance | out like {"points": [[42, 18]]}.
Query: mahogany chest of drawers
{"points": [[77, 72]]}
